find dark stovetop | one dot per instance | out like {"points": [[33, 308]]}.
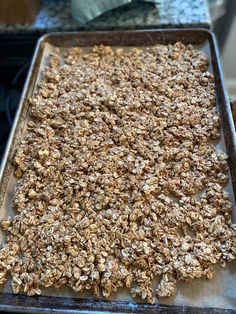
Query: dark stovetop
{"points": [[16, 52]]}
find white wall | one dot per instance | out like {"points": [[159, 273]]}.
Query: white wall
{"points": [[229, 61]]}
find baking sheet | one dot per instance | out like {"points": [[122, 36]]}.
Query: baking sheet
{"points": [[217, 293]]}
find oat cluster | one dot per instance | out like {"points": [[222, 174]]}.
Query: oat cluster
{"points": [[118, 184]]}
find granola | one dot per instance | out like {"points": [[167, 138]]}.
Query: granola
{"points": [[117, 180]]}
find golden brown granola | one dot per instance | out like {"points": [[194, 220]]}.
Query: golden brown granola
{"points": [[118, 182]]}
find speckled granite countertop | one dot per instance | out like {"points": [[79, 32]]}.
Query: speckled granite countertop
{"points": [[55, 15]]}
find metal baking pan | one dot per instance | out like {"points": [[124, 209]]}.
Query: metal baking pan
{"points": [[216, 296]]}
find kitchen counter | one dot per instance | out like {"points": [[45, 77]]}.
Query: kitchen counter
{"points": [[55, 15]]}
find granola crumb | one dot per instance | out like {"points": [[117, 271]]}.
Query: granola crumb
{"points": [[111, 174]]}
